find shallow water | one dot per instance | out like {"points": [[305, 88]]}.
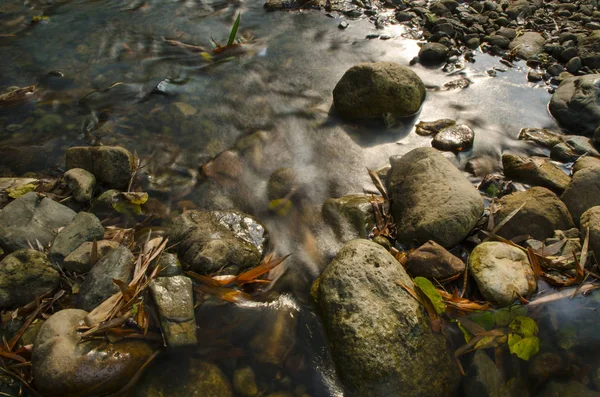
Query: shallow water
{"points": [[275, 89]]}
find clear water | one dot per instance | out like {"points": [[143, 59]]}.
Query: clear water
{"points": [[278, 85]]}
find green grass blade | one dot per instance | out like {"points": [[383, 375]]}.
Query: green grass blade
{"points": [[234, 30]]}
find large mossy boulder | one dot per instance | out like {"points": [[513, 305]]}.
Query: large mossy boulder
{"points": [[379, 336], [432, 199], [576, 104], [66, 366], [228, 242], [541, 213], [369, 90], [30, 218], [583, 192]]}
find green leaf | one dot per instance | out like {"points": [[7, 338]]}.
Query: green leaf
{"points": [[524, 348], [432, 294], [234, 30], [503, 317], [523, 326], [125, 207], [468, 336], [484, 319], [18, 191]]}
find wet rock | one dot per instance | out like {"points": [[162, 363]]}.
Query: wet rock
{"points": [[350, 216], [569, 389], [66, 366], [535, 75], [507, 32], [174, 301], [32, 217], [456, 138], [425, 128], [500, 41], [541, 136], [576, 104], [276, 5], [522, 8], [572, 148], [542, 213], [528, 45], [78, 261], [432, 54], [385, 347], [183, 377], [98, 285], [170, 265], [591, 219], [433, 261], [24, 275], [589, 50], [535, 171], [583, 192], [496, 186], [585, 162], [368, 90], [244, 382], [484, 379], [281, 182], [81, 183], [227, 242], [501, 272], [432, 199], [574, 65], [112, 165], [85, 227], [563, 153]]}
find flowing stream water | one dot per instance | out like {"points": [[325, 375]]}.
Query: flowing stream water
{"points": [[270, 99]]}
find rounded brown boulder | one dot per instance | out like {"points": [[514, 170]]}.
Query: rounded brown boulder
{"points": [[65, 366], [370, 90]]}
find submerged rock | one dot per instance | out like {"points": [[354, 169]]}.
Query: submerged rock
{"points": [[542, 213], [457, 138], [24, 275], [425, 128], [568, 389], [379, 336], [350, 216], [244, 382], [433, 261], [228, 242], [432, 199], [535, 171], [32, 218], [112, 165], [583, 192], [368, 90], [98, 285], [484, 379], [85, 227], [591, 219], [174, 300], [81, 183], [78, 261], [576, 104], [281, 183], [501, 272], [65, 366], [528, 45]]}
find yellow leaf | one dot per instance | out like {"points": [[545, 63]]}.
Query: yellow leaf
{"points": [[136, 198], [18, 191]]}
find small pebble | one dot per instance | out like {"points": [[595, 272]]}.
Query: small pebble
{"points": [[343, 25]]}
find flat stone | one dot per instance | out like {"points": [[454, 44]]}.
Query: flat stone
{"points": [[24, 275], [542, 213], [85, 227], [78, 261], [98, 285], [432, 199], [528, 45], [541, 136], [112, 165], [535, 171], [433, 261], [501, 272], [174, 300], [32, 217]]}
